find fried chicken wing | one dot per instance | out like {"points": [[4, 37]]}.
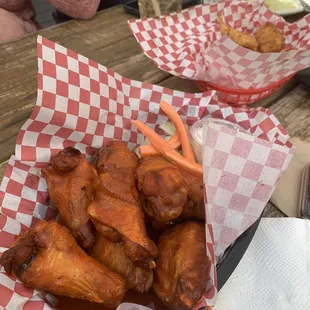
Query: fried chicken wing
{"points": [[195, 209], [71, 186], [120, 165], [163, 188], [109, 233], [180, 276], [270, 39], [115, 155], [113, 256], [126, 219], [48, 258], [116, 209], [243, 39]]}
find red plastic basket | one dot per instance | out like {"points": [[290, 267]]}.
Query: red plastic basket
{"points": [[243, 96]]}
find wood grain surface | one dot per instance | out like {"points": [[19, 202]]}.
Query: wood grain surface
{"points": [[2, 168], [152, 8], [293, 111]]}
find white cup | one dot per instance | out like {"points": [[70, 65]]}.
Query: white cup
{"points": [[196, 133]]}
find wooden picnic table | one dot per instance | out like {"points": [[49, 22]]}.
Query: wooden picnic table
{"points": [[108, 40]]}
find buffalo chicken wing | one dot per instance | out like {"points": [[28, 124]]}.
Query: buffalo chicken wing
{"points": [[181, 276], [71, 183], [124, 219], [113, 256], [195, 209], [48, 258], [115, 155], [116, 209], [163, 188]]}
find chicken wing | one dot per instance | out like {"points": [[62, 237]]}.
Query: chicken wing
{"points": [[115, 155], [121, 164], [113, 256], [116, 209], [71, 185], [270, 39], [244, 39], [163, 188], [48, 258], [125, 218], [195, 209], [181, 276]]}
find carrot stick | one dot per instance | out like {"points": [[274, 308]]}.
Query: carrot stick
{"points": [[179, 160], [149, 150], [154, 138], [187, 150], [167, 151]]}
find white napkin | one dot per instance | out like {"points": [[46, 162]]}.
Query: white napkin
{"points": [[275, 270]]}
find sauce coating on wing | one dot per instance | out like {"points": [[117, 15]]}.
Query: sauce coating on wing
{"points": [[181, 273], [112, 255], [48, 258], [163, 188], [71, 182], [116, 209]]}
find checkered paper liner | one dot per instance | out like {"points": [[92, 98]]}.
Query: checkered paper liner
{"points": [[241, 172], [130, 306], [83, 104], [189, 44]]}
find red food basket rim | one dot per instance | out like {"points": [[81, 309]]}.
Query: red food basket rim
{"points": [[246, 91]]}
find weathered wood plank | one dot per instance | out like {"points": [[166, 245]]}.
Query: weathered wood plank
{"points": [[174, 82], [266, 102], [106, 28], [293, 111], [2, 169]]}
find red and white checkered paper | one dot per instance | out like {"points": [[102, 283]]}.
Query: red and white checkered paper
{"points": [[190, 45], [241, 172], [83, 104]]}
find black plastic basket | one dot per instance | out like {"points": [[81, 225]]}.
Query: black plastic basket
{"points": [[234, 254]]}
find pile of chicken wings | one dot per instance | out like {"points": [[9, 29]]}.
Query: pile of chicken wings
{"points": [[102, 246]]}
